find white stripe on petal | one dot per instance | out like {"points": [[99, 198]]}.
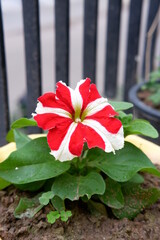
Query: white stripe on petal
{"points": [[76, 97], [79, 84], [118, 139], [58, 111], [63, 153], [96, 106], [112, 141]]}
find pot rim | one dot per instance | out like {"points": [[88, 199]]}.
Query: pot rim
{"points": [[139, 104]]}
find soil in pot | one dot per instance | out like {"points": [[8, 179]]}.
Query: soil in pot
{"points": [[81, 226], [144, 95]]}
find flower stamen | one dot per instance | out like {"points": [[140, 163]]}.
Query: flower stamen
{"points": [[77, 120]]}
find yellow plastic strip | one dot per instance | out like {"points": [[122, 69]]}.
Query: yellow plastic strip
{"points": [[150, 149], [6, 150]]}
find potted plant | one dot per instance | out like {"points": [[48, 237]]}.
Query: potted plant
{"points": [[146, 95], [82, 181], [146, 99]]}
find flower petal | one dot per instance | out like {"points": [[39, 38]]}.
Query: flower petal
{"points": [[83, 87], [49, 100], [112, 141], [62, 153], [83, 134], [77, 140], [63, 92], [71, 97], [76, 98], [93, 93], [84, 93], [111, 124], [101, 107], [49, 120], [40, 109], [48, 117], [56, 135]]}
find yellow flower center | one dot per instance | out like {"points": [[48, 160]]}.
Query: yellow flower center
{"points": [[79, 115]]}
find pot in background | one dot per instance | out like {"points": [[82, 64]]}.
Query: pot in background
{"points": [[141, 110]]}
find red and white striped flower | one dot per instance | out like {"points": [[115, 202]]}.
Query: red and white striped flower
{"points": [[77, 116]]}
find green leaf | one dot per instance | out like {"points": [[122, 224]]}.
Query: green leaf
{"points": [[142, 127], [45, 198], [96, 208], [155, 97], [155, 75], [52, 216], [31, 163], [113, 196], [10, 136], [123, 165], [23, 122], [65, 215], [137, 178], [58, 203], [32, 187], [120, 106], [4, 184], [125, 118], [28, 207], [136, 199], [20, 138], [74, 187], [20, 123]]}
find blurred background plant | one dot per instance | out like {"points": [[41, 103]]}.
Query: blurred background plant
{"points": [[150, 91], [152, 88]]}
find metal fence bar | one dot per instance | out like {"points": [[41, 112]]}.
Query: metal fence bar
{"points": [[4, 109], [132, 50], [90, 39], [62, 40], [32, 53], [112, 43]]}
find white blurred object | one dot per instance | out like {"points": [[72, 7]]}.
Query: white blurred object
{"points": [[124, 22]]}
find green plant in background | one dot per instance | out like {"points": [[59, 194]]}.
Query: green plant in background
{"points": [[154, 87]]}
